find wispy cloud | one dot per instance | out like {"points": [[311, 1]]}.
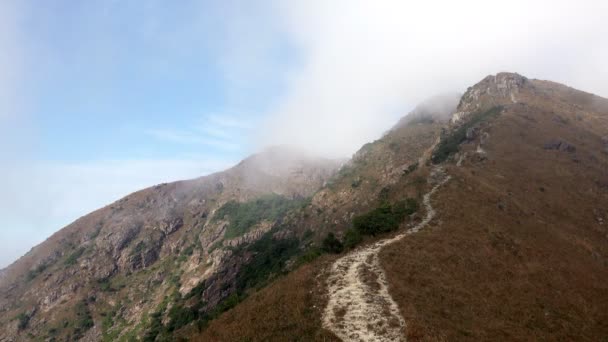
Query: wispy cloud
{"points": [[191, 138], [224, 132]]}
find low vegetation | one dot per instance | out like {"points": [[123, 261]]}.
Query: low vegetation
{"points": [[23, 319], [83, 320], [271, 255], [331, 244], [243, 216], [73, 258], [33, 273], [449, 144], [383, 219]]}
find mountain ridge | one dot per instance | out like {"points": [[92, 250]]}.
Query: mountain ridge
{"points": [[160, 259]]}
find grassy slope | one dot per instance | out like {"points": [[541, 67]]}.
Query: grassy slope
{"points": [[288, 310], [518, 253]]}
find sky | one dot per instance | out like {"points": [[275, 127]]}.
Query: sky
{"points": [[102, 98]]}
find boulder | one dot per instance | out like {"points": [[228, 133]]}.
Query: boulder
{"points": [[560, 145]]}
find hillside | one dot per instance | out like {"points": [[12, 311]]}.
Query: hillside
{"points": [[103, 276], [516, 247]]}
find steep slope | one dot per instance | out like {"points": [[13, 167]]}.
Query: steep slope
{"points": [[521, 251], [103, 275], [518, 247], [384, 171]]}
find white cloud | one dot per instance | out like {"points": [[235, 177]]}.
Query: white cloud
{"points": [[366, 62], [223, 131], [191, 138]]}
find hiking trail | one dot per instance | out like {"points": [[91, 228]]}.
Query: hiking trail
{"points": [[360, 307]]}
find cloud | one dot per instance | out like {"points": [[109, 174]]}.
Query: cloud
{"points": [[222, 131], [192, 138], [42, 197], [365, 63]]}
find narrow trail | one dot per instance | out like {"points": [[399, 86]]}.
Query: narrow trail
{"points": [[360, 307]]}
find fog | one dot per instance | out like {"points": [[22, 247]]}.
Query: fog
{"points": [[366, 63]]}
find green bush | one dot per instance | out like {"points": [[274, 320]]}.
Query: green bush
{"points": [[83, 321], [31, 274], [331, 244], [352, 237], [310, 255], [449, 144], [243, 216], [385, 218], [72, 258], [270, 256], [24, 320]]}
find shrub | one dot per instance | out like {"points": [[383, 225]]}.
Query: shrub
{"points": [[270, 257], [331, 244], [410, 169], [385, 218], [83, 321], [72, 258], [243, 216], [352, 237], [24, 320], [449, 144], [310, 255], [31, 274]]}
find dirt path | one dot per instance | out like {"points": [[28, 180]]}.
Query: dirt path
{"points": [[360, 307]]}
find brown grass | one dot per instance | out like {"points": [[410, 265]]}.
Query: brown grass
{"points": [[290, 309], [516, 252]]}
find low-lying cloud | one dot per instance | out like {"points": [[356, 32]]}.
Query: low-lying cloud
{"points": [[365, 63]]}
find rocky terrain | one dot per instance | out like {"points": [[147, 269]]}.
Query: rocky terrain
{"points": [[103, 273], [517, 249]]}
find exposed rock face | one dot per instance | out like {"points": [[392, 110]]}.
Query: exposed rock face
{"points": [[605, 143], [559, 145], [251, 236], [499, 89], [143, 247]]}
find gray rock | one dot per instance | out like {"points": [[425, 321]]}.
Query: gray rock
{"points": [[560, 145], [471, 133]]}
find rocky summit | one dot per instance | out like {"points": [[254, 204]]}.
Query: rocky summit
{"points": [[480, 216]]}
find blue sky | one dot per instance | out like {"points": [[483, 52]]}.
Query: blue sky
{"points": [[101, 98], [127, 81]]}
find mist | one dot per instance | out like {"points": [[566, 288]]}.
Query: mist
{"points": [[366, 64]]}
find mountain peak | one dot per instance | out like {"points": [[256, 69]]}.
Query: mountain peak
{"points": [[494, 90]]}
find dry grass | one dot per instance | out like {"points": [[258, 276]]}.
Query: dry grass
{"points": [[290, 309], [516, 252]]}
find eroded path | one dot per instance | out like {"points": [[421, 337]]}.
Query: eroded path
{"points": [[360, 307]]}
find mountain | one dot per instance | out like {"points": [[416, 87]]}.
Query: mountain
{"points": [[476, 217], [517, 249], [126, 258]]}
